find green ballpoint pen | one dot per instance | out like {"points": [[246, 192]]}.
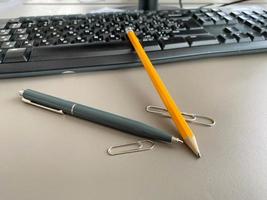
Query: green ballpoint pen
{"points": [[124, 124]]}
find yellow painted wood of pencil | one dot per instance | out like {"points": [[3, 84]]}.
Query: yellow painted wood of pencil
{"points": [[168, 101]]}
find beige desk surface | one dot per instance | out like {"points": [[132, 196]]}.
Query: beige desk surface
{"points": [[48, 156]]}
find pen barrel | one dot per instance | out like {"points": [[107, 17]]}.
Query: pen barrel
{"points": [[120, 123], [97, 116]]}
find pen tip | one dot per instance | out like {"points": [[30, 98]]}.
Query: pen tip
{"points": [[175, 139], [21, 92]]}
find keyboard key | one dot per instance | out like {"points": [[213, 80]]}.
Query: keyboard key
{"points": [[13, 20], [190, 32], [250, 23], [201, 40], [192, 24], [174, 43], [261, 21], [255, 37], [175, 15], [206, 21], [264, 33], [218, 21], [257, 28], [15, 55], [2, 25], [222, 14], [230, 20], [14, 25], [4, 32], [4, 38], [228, 30], [227, 39], [22, 37], [242, 18], [231, 30], [242, 37], [7, 45], [26, 19], [246, 12], [27, 43], [235, 13], [20, 31], [80, 51], [151, 46]]}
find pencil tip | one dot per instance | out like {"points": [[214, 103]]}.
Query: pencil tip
{"points": [[192, 144], [199, 155]]}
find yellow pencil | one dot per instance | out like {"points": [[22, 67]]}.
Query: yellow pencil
{"points": [[179, 121]]}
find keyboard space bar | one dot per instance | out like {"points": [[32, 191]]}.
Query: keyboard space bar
{"points": [[79, 51]]}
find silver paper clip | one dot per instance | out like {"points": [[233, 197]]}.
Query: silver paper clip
{"points": [[189, 117], [139, 146]]}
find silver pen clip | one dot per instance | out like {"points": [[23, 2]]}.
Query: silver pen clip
{"points": [[41, 106], [189, 117]]}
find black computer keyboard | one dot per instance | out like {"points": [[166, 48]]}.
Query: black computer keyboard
{"points": [[31, 46]]}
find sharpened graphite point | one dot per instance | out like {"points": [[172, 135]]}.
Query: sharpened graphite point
{"points": [[199, 155]]}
